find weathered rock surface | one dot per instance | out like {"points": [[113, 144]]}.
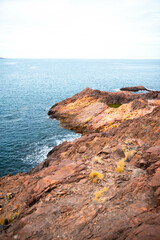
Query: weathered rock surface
{"points": [[96, 111], [104, 185]]}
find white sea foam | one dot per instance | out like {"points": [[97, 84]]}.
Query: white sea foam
{"points": [[116, 90], [68, 138], [39, 153]]}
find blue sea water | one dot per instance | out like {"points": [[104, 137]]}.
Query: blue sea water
{"points": [[29, 87]]}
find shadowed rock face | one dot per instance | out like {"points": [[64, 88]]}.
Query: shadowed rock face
{"points": [[104, 185], [134, 89]]}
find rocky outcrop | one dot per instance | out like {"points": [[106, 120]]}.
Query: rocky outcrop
{"points": [[97, 111], [104, 185], [134, 89]]}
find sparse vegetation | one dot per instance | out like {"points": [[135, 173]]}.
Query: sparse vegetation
{"points": [[10, 195], [2, 220], [119, 169], [95, 176], [97, 159], [9, 218], [121, 162], [129, 150], [98, 195], [130, 154], [120, 165], [115, 105]]}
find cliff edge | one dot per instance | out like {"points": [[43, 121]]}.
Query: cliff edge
{"points": [[104, 185]]}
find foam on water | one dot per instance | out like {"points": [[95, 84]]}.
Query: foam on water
{"points": [[37, 155], [39, 152], [68, 138], [116, 90]]}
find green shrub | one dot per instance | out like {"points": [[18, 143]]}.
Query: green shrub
{"points": [[115, 105]]}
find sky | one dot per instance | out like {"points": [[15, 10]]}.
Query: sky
{"points": [[93, 29]]}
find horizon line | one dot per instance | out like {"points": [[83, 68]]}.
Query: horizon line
{"points": [[49, 58]]}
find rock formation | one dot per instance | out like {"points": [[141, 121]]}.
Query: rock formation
{"points": [[104, 185], [135, 89]]}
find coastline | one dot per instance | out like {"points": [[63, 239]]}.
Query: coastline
{"points": [[113, 168]]}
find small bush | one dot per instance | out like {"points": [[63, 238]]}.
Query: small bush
{"points": [[115, 105], [98, 194], [2, 220], [130, 154], [121, 163], [95, 176], [119, 169]]}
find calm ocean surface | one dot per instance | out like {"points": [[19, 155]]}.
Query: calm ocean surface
{"points": [[28, 88]]}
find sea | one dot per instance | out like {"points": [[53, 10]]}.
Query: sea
{"points": [[29, 87]]}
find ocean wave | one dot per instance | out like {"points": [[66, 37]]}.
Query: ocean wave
{"points": [[37, 155], [39, 152], [58, 139], [68, 138]]}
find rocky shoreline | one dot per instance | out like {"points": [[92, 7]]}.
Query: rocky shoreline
{"points": [[104, 185]]}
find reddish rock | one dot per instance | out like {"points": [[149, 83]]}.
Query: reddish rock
{"points": [[149, 232], [77, 192], [156, 179], [118, 154], [139, 104], [157, 193], [151, 169], [82, 149], [154, 150]]}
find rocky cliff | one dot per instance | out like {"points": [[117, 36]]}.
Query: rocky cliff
{"points": [[104, 185]]}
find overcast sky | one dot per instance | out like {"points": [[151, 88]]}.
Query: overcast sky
{"points": [[80, 29]]}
